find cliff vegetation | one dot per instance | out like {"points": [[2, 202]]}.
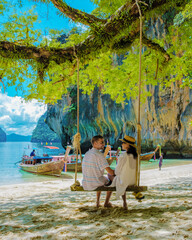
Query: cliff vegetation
{"points": [[43, 133]]}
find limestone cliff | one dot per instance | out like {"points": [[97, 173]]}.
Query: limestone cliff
{"points": [[165, 119], [98, 115], [2, 135], [43, 133], [165, 116]]}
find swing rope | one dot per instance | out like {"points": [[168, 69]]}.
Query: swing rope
{"points": [[136, 189], [137, 180], [77, 136]]}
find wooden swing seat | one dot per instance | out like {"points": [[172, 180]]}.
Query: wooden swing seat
{"points": [[133, 188]]}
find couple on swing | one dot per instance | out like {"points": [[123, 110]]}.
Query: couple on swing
{"points": [[94, 164]]}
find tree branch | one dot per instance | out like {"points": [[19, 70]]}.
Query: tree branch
{"points": [[122, 19], [126, 41], [149, 43], [101, 37], [41, 68], [77, 15], [14, 51]]}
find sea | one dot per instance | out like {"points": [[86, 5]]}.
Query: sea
{"points": [[12, 152]]}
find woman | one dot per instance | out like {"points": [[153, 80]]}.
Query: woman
{"points": [[125, 170]]}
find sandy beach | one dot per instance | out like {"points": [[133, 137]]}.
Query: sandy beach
{"points": [[49, 210]]}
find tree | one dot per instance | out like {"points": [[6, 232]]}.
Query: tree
{"points": [[113, 28]]}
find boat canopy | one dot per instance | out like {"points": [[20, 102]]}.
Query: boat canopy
{"points": [[42, 158], [51, 147]]}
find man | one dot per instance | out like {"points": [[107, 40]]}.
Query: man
{"points": [[32, 153], [94, 164]]}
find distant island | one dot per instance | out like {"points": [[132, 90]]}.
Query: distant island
{"points": [[42, 132], [18, 138], [2, 135]]}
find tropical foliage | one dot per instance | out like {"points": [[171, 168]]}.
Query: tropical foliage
{"points": [[108, 50]]}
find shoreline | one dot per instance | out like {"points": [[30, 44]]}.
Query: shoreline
{"points": [[49, 210], [69, 177], [152, 165]]}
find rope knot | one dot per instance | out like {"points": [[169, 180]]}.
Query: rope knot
{"points": [[139, 126], [76, 141]]}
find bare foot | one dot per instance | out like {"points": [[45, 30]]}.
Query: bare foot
{"points": [[98, 205], [108, 205], [125, 206]]}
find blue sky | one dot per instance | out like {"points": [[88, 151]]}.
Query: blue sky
{"points": [[16, 115], [49, 19], [48, 13]]}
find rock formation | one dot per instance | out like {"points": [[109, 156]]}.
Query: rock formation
{"points": [[18, 138], [165, 116], [98, 115], [165, 120], [43, 133]]}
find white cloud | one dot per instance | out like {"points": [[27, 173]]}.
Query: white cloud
{"points": [[6, 119], [82, 27], [18, 116]]}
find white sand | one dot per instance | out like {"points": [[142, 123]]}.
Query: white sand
{"points": [[49, 210]]}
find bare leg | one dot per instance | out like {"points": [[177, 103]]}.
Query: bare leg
{"points": [[107, 203], [124, 201], [98, 199]]}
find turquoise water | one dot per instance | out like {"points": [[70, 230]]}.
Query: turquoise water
{"points": [[154, 164], [11, 152]]}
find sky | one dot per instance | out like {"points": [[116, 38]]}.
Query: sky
{"points": [[16, 115], [48, 13]]}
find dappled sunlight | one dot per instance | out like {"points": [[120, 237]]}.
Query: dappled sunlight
{"points": [[53, 212]]}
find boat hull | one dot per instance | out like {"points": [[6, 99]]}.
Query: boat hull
{"points": [[71, 166], [146, 156], [49, 168]]}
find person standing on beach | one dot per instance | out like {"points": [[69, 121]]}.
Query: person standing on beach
{"points": [[94, 164], [160, 161], [125, 170]]}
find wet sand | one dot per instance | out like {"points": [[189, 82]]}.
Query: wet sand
{"points": [[49, 210]]}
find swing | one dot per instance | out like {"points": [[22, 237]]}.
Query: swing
{"points": [[136, 189]]}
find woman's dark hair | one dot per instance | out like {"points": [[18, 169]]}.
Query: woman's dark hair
{"points": [[132, 150]]}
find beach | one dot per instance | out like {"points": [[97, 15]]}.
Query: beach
{"points": [[49, 210]]}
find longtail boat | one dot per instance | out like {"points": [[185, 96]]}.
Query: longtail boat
{"points": [[44, 165], [148, 156], [71, 164], [71, 159]]}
